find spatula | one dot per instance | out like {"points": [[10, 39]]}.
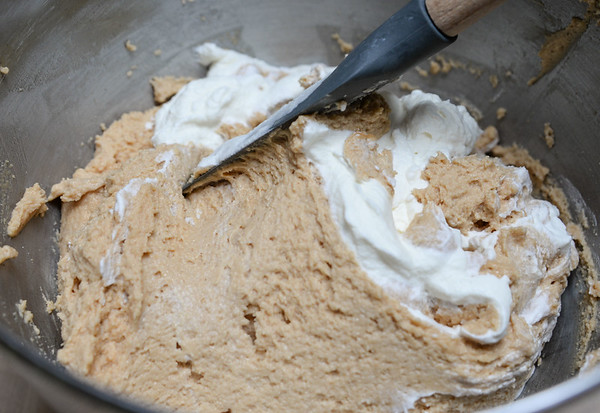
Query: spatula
{"points": [[416, 32]]}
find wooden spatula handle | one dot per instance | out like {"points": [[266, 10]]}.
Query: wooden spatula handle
{"points": [[453, 16]]}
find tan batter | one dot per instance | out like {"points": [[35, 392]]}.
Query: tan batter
{"points": [[7, 252], [243, 297], [31, 204]]}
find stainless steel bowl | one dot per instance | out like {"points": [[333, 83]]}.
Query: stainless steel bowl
{"points": [[68, 73]]}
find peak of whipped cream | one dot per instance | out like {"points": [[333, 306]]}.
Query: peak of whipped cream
{"points": [[237, 89]]}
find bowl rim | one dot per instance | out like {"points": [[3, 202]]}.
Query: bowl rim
{"points": [[555, 396]]}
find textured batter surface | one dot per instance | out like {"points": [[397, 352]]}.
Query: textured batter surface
{"points": [[33, 203], [243, 297], [165, 87]]}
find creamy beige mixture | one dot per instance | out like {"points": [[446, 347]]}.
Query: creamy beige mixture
{"points": [[243, 296]]}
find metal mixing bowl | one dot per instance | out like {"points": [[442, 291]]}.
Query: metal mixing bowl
{"points": [[68, 74]]}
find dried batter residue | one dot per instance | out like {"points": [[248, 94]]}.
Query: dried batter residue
{"points": [[500, 113], [422, 72], [33, 203], [558, 44], [50, 305], [441, 64], [345, 47], [130, 71], [27, 315], [549, 135], [434, 67], [407, 87], [7, 252], [130, 46]]}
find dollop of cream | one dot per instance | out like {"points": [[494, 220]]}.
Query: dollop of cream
{"points": [[237, 88]]}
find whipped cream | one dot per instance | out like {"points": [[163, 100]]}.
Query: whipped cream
{"points": [[236, 89], [371, 222], [422, 125]]}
